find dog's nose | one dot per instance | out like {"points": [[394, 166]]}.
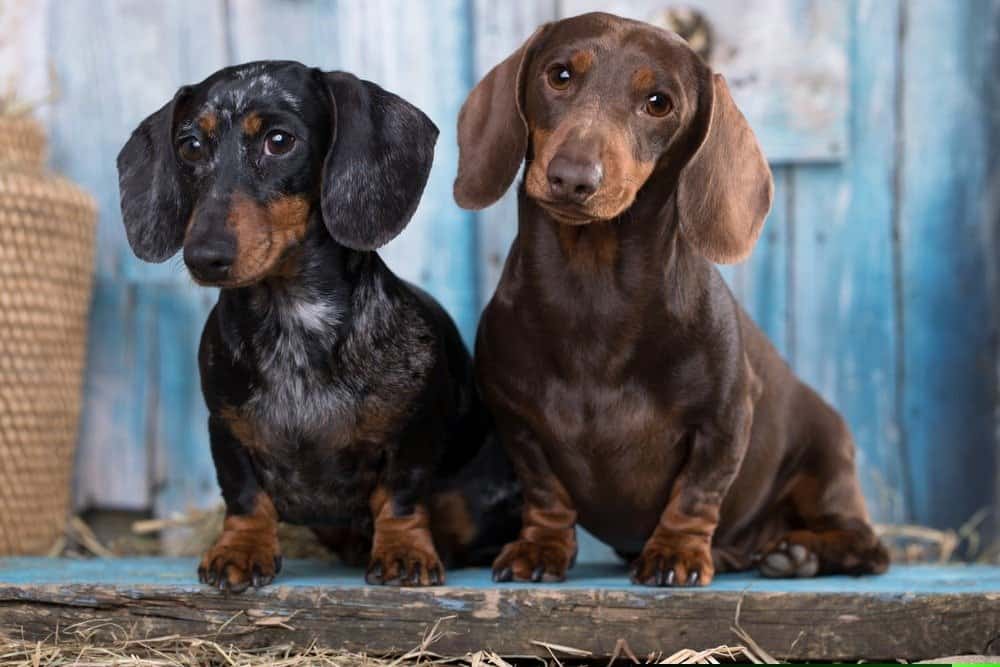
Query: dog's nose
{"points": [[573, 180], [209, 261]]}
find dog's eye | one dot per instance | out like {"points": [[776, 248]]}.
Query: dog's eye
{"points": [[191, 149], [559, 77], [278, 143], [658, 104]]}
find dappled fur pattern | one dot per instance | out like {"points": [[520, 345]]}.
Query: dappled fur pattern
{"points": [[340, 396]]}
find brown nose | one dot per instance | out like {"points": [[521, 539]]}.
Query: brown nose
{"points": [[573, 179]]}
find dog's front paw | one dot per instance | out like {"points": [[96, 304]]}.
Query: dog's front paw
{"points": [[674, 561], [534, 560], [401, 564], [238, 561]]}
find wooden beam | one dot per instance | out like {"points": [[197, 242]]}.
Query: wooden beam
{"points": [[911, 613]]}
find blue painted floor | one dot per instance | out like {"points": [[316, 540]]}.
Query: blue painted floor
{"points": [[902, 579]]}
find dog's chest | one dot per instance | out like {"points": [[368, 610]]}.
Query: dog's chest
{"points": [[313, 446], [609, 408], [317, 420]]}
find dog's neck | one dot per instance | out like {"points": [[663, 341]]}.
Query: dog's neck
{"points": [[641, 246], [308, 299], [639, 255]]}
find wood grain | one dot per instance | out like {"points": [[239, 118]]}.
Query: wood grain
{"points": [[843, 280], [877, 273], [949, 306], [797, 104], [867, 618]]}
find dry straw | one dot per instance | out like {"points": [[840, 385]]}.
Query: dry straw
{"points": [[75, 645]]}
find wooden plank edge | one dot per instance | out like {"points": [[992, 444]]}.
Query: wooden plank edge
{"points": [[792, 626]]}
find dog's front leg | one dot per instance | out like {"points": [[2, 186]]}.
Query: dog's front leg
{"points": [[679, 552], [247, 552], [546, 546], [403, 552]]}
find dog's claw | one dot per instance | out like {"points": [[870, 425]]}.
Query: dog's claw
{"points": [[374, 573]]}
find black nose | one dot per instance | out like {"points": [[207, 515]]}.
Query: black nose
{"points": [[209, 261], [573, 180]]}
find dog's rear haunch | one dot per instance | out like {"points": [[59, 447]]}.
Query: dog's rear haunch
{"points": [[340, 397], [632, 392]]}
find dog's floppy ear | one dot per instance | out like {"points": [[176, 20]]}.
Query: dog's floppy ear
{"points": [[492, 130], [380, 155], [155, 206], [725, 190]]}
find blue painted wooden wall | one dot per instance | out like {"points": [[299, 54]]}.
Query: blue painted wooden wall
{"points": [[877, 274]]}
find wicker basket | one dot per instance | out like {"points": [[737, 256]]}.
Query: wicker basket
{"points": [[46, 264]]}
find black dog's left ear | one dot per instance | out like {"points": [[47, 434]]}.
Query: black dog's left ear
{"points": [[380, 155], [155, 208]]}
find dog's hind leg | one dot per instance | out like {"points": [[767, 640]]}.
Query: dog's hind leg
{"points": [[829, 530]]}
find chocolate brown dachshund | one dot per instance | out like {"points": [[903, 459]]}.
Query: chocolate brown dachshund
{"points": [[632, 391]]}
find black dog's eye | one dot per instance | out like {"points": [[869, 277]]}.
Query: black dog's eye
{"points": [[658, 104], [559, 77], [191, 149], [278, 142]]}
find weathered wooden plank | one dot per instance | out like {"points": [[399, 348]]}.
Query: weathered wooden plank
{"points": [[24, 71], [113, 468], [118, 61], [797, 105], [259, 30], [183, 475], [912, 613], [844, 300], [949, 306], [498, 31]]}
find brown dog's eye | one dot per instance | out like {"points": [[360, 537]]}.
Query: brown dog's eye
{"points": [[559, 77], [191, 149], [278, 143], [658, 104]]}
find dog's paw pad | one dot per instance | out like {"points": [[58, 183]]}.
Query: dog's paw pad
{"points": [[789, 559]]}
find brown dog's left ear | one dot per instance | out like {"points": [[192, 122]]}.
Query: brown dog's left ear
{"points": [[493, 132], [725, 190], [380, 156]]}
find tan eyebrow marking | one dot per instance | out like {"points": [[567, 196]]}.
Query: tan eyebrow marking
{"points": [[581, 61], [643, 79], [208, 121], [252, 123]]}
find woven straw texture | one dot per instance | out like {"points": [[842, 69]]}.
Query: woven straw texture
{"points": [[47, 229]]}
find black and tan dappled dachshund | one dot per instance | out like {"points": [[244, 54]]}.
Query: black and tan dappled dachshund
{"points": [[633, 393], [340, 397]]}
